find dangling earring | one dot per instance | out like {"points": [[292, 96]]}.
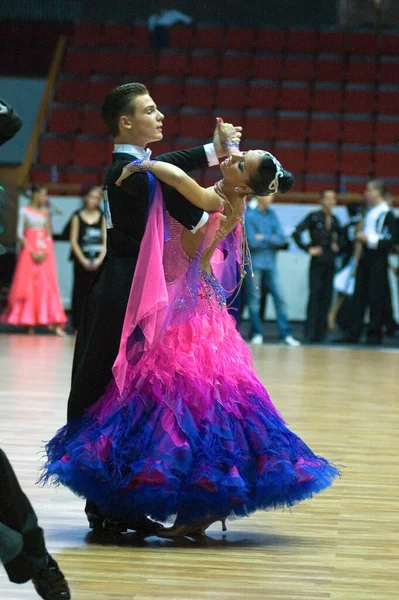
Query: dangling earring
{"points": [[237, 189]]}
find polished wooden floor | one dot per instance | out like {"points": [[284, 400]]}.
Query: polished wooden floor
{"points": [[342, 545]]}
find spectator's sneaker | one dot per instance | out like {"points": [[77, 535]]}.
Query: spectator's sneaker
{"points": [[256, 340], [50, 582], [290, 341]]}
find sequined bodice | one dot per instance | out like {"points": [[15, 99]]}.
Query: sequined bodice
{"points": [[210, 293]]}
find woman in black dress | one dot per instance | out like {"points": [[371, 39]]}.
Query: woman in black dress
{"points": [[87, 237]]}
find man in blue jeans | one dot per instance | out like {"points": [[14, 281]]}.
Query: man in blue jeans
{"points": [[265, 237]]}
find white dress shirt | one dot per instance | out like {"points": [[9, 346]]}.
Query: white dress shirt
{"points": [[374, 223]]}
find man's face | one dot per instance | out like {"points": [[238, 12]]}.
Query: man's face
{"points": [[144, 124], [329, 200], [371, 194], [265, 201]]}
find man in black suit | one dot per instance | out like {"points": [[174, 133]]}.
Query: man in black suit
{"points": [[134, 121]]}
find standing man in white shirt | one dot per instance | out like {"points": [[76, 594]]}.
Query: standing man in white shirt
{"points": [[372, 286]]}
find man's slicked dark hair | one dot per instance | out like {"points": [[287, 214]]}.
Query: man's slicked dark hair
{"points": [[119, 101], [259, 182]]}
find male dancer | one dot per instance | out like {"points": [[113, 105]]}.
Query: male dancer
{"points": [[134, 121]]}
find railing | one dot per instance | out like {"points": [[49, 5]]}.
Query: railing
{"points": [[48, 90]]}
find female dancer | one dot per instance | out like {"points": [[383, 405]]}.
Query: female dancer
{"points": [[34, 297], [185, 427], [87, 237]]}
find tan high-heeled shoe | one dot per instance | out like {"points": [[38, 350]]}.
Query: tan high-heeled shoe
{"points": [[200, 527]]}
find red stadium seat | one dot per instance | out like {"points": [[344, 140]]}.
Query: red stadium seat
{"points": [[42, 174], [118, 35], [327, 98], [99, 88], [140, 64], [195, 123], [92, 123], [332, 42], [386, 162], [329, 69], [110, 63], [205, 63], [72, 90], [257, 125], [84, 177], [199, 93], [293, 159], [141, 36], [90, 153], [161, 148], [362, 42], [267, 66], [294, 97], [314, 184], [238, 38], [170, 124], [388, 101], [236, 65], [359, 131], [389, 71], [55, 151], [387, 131], [390, 44], [359, 100], [231, 94], [356, 162], [322, 160], [182, 143], [181, 36], [64, 120], [167, 92], [302, 40], [292, 128], [87, 34], [299, 69], [263, 94], [325, 129], [173, 63], [361, 71], [273, 40], [209, 37], [79, 62]]}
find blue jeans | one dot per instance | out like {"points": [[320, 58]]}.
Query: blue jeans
{"points": [[269, 278]]}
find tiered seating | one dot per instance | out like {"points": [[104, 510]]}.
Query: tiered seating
{"points": [[326, 101]]}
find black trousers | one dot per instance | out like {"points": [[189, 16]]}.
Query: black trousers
{"points": [[22, 546], [99, 333], [321, 277], [371, 291]]}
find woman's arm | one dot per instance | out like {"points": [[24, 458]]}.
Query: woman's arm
{"points": [[21, 227], [205, 198]]}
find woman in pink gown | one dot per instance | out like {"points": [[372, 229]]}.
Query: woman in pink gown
{"points": [[186, 427], [34, 297]]}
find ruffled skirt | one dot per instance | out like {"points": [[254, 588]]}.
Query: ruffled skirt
{"points": [[194, 432]]}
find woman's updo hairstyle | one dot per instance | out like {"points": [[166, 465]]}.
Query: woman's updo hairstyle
{"points": [[270, 178]]}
